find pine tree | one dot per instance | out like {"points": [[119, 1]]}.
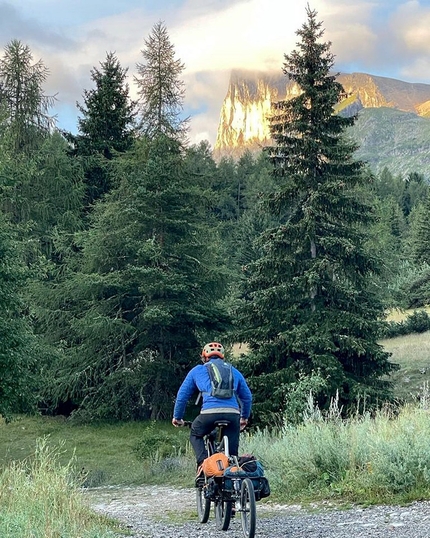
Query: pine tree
{"points": [[106, 127], [160, 88], [310, 308]]}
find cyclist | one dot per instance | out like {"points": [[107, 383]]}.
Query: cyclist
{"points": [[235, 410]]}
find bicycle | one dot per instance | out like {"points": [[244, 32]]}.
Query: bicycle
{"points": [[235, 494]]}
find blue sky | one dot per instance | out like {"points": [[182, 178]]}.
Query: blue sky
{"points": [[211, 37]]}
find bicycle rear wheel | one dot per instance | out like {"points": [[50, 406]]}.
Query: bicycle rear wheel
{"points": [[248, 508], [203, 506], [223, 510]]}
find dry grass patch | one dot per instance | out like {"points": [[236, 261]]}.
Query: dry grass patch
{"points": [[412, 353]]}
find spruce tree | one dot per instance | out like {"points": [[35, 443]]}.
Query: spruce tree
{"points": [[106, 127], [134, 317], [310, 308], [160, 87]]}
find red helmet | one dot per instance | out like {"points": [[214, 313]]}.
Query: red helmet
{"points": [[211, 350]]}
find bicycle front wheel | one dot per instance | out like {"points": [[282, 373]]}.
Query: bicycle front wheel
{"points": [[248, 508], [203, 506], [223, 510]]}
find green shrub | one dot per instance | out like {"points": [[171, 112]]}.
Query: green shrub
{"points": [[417, 322], [156, 443], [367, 459]]}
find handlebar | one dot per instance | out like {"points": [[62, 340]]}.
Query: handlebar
{"points": [[188, 423]]}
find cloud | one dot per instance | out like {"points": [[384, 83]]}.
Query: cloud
{"points": [[384, 37], [15, 25], [410, 24]]}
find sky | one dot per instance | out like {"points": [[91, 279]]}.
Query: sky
{"points": [[388, 38]]}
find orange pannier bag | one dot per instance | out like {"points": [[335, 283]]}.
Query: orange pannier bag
{"points": [[215, 465]]}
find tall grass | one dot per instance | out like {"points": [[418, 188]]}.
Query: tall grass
{"points": [[39, 498], [384, 458]]}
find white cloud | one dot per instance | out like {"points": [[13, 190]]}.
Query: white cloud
{"points": [[411, 24], [385, 37]]}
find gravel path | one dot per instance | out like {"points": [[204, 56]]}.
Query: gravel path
{"points": [[155, 511]]}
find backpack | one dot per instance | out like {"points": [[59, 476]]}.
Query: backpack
{"points": [[221, 376]]}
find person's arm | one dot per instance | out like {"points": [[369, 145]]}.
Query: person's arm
{"points": [[186, 390], [245, 396]]}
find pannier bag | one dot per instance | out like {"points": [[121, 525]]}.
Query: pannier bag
{"points": [[249, 467], [215, 465]]}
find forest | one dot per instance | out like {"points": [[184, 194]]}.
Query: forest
{"points": [[124, 248]]}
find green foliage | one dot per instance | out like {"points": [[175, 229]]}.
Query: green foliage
{"points": [[106, 126], [417, 322], [131, 317], [17, 342], [310, 301], [39, 497], [156, 443], [160, 88], [365, 459]]}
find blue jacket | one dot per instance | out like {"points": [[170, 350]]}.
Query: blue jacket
{"points": [[198, 379]]}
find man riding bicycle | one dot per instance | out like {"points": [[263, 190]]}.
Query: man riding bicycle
{"points": [[235, 409]]}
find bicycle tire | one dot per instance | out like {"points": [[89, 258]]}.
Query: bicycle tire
{"points": [[248, 508], [223, 511], [203, 506]]}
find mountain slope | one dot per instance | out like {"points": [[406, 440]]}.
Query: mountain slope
{"points": [[393, 138], [393, 126]]}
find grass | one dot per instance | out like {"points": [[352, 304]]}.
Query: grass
{"points": [[368, 459], [412, 353], [105, 453], [39, 499]]}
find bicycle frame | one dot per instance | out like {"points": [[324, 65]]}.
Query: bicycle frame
{"points": [[240, 494]]}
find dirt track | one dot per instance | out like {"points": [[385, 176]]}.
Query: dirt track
{"points": [[156, 511]]}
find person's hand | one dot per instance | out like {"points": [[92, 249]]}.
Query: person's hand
{"points": [[177, 422], [243, 423]]}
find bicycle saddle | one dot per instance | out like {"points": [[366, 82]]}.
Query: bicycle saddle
{"points": [[220, 423]]}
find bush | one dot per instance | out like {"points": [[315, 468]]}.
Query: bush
{"points": [[417, 322], [156, 443]]}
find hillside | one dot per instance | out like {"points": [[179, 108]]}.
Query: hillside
{"points": [[395, 139], [393, 127]]}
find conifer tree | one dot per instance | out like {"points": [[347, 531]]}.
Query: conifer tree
{"points": [[17, 349], [160, 87], [22, 96], [146, 293], [310, 308], [106, 127]]}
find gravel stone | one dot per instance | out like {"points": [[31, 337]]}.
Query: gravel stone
{"points": [[154, 511]]}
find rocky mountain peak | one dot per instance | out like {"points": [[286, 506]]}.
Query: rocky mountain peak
{"points": [[243, 118]]}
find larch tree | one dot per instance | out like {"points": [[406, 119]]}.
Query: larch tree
{"points": [[310, 309], [161, 89], [22, 96], [134, 316], [17, 349]]}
